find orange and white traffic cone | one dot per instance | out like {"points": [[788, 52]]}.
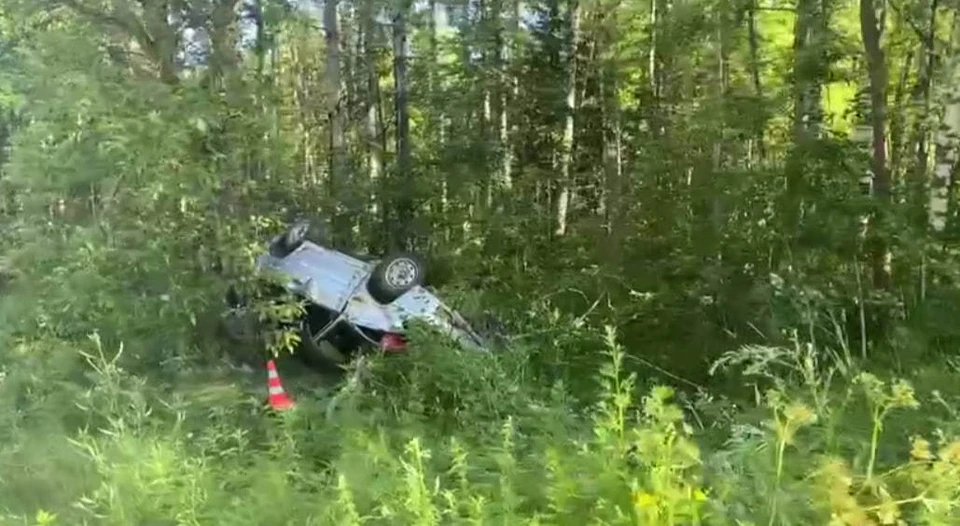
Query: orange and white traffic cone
{"points": [[279, 401]]}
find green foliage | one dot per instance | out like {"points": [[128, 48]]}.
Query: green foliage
{"points": [[699, 221], [410, 444]]}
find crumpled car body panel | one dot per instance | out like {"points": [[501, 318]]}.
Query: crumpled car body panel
{"points": [[325, 277]]}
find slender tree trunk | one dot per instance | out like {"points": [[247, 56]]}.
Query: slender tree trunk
{"points": [[808, 72], [898, 118], [922, 99], [713, 220], [723, 69], [338, 181], [565, 193], [487, 48], [754, 41], [437, 113], [486, 120], [503, 38], [260, 45], [256, 167], [942, 208], [808, 84], [870, 29], [403, 175], [809, 36], [374, 120], [510, 123], [612, 147], [433, 48], [6, 131], [351, 51], [224, 37], [655, 69]]}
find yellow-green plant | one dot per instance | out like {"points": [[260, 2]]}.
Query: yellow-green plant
{"points": [[788, 418], [881, 402], [670, 491], [934, 475], [665, 489]]}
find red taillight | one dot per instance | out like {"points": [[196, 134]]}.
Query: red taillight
{"points": [[391, 342]]}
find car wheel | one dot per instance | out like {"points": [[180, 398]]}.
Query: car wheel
{"points": [[284, 244], [296, 235], [394, 275]]}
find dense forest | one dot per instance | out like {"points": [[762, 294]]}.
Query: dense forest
{"points": [[722, 236]]}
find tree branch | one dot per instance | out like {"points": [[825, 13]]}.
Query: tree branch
{"points": [[133, 27], [128, 22]]}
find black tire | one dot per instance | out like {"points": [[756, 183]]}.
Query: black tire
{"points": [[394, 275], [283, 245], [296, 235]]}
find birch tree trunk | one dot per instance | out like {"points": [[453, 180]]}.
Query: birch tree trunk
{"points": [[504, 38], [655, 68], [566, 160], [941, 207], [508, 125], [488, 22]]}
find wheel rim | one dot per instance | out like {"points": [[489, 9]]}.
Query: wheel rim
{"points": [[401, 273]]}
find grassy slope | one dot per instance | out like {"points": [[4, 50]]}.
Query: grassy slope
{"points": [[442, 438]]}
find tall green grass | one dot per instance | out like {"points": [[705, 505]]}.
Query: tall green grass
{"points": [[441, 436]]}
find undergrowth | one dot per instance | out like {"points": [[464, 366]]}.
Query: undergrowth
{"points": [[441, 436]]}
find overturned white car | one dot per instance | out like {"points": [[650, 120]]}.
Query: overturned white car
{"points": [[352, 302]]}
